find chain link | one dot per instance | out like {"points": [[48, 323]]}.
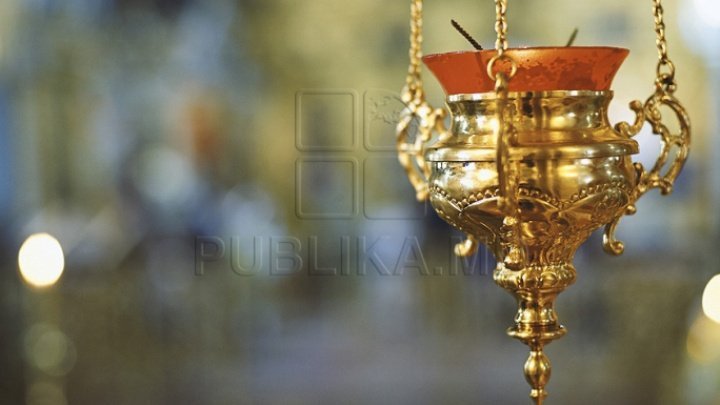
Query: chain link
{"points": [[501, 42], [665, 71], [418, 119], [414, 78]]}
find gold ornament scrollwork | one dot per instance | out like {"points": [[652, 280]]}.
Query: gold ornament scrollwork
{"points": [[664, 95], [429, 121], [630, 130], [513, 253], [412, 154]]}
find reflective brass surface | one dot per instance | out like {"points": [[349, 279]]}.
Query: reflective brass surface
{"points": [[532, 174], [575, 175], [563, 193], [574, 122]]}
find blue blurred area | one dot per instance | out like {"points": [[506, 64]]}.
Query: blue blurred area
{"points": [[6, 160]]}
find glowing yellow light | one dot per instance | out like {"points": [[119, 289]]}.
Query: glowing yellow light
{"points": [[711, 299], [702, 340], [41, 260]]}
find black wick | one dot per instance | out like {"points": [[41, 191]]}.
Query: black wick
{"points": [[467, 36], [572, 37]]}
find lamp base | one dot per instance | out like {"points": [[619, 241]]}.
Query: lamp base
{"points": [[536, 324]]}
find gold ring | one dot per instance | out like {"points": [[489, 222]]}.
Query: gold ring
{"points": [[506, 58]]}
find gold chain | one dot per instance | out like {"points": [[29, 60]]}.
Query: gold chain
{"points": [[501, 42], [663, 173], [430, 121], [414, 78], [665, 68]]}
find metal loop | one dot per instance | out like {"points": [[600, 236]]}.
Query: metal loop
{"points": [[505, 58], [665, 69], [665, 84]]}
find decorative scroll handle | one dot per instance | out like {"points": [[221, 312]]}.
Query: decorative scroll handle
{"points": [[664, 95], [655, 177], [417, 111], [412, 155]]}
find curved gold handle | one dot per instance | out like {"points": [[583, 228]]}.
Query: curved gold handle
{"points": [[412, 154], [655, 177], [665, 87], [429, 122]]}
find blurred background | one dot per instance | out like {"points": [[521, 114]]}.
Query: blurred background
{"points": [[200, 204]]}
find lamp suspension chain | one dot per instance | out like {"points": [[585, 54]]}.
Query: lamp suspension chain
{"points": [[665, 71], [414, 78], [501, 43]]}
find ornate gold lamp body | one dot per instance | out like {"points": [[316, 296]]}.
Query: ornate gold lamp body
{"points": [[531, 165]]}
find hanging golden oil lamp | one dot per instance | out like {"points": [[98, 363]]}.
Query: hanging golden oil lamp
{"points": [[531, 165]]}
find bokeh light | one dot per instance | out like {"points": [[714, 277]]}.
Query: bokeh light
{"points": [[711, 299], [702, 340], [41, 260], [49, 349]]}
